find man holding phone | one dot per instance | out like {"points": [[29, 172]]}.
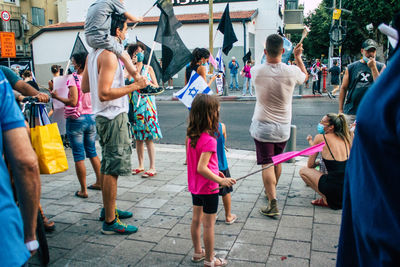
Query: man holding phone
{"points": [[358, 77]]}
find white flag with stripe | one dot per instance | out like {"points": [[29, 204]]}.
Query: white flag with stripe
{"points": [[196, 85], [220, 62]]}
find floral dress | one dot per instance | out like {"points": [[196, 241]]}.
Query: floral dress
{"points": [[144, 118]]}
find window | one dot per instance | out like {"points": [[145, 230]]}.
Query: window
{"points": [[16, 28], [291, 4], [37, 16]]}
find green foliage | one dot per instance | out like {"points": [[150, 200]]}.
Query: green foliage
{"points": [[363, 13]]}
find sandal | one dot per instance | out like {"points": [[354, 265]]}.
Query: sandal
{"points": [[214, 263], [319, 202], [232, 221], [137, 171], [198, 257], [79, 194], [149, 174], [94, 187]]}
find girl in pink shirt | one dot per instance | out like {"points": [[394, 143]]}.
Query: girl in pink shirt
{"points": [[204, 176]]}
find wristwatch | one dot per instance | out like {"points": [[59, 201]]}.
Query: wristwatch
{"points": [[32, 245]]}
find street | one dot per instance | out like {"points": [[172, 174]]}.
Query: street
{"points": [[307, 112]]}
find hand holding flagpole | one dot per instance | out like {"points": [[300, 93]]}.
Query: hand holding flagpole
{"points": [[145, 14], [306, 30]]}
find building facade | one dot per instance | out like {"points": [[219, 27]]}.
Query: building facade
{"points": [[253, 21], [27, 18]]}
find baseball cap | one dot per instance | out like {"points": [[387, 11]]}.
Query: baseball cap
{"points": [[368, 44]]}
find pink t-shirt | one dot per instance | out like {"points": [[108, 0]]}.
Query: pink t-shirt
{"points": [[246, 70], [85, 105], [198, 184]]}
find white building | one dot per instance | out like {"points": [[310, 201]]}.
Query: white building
{"points": [[253, 21]]}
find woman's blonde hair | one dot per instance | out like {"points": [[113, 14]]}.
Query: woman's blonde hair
{"points": [[340, 127]]}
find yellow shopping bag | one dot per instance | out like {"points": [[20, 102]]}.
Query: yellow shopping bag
{"points": [[46, 141]]}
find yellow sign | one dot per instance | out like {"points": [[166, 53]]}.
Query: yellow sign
{"points": [[336, 14], [7, 42]]}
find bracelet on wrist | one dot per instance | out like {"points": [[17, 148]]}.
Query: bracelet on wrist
{"points": [[32, 245]]}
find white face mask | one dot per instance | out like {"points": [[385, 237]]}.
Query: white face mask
{"points": [[125, 42]]}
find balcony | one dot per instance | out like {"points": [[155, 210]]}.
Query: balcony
{"points": [[294, 20]]}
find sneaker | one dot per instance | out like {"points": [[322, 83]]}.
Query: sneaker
{"points": [[119, 228], [151, 90], [330, 95], [118, 213], [271, 210]]}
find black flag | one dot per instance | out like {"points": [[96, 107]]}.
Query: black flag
{"points": [[79, 47], [247, 57], [226, 28], [154, 62], [175, 55]]}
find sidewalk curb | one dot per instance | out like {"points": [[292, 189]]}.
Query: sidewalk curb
{"points": [[237, 98]]}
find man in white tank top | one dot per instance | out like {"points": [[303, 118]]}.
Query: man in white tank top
{"points": [[270, 127], [105, 79]]}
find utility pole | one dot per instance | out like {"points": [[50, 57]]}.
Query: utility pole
{"points": [[210, 34], [331, 46]]}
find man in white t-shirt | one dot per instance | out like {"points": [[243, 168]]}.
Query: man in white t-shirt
{"points": [[274, 85]]}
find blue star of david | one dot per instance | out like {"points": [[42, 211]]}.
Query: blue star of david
{"points": [[193, 92]]}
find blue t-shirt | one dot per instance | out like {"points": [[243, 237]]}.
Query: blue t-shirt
{"points": [[370, 231], [11, 76], [233, 67], [222, 162], [12, 248]]}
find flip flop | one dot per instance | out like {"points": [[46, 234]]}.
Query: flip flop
{"points": [[78, 194], [319, 202], [231, 221], [137, 171], [94, 187], [148, 174]]}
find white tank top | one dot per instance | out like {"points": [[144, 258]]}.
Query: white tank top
{"points": [[109, 109]]}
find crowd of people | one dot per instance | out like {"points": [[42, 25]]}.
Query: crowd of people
{"points": [[111, 88]]}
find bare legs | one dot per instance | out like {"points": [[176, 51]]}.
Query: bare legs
{"points": [[109, 190], [270, 179], [227, 207], [311, 177], [151, 152], [81, 173], [208, 221]]}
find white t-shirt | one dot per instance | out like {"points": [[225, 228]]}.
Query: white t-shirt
{"points": [[109, 109], [274, 86]]}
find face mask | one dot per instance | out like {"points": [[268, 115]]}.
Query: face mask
{"points": [[125, 42], [140, 57], [71, 69], [204, 64], [320, 128], [365, 59]]}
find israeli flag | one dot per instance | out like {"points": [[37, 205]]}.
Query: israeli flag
{"points": [[220, 62], [196, 85]]}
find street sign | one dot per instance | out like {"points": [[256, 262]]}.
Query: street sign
{"points": [[5, 16], [7, 42], [336, 14]]}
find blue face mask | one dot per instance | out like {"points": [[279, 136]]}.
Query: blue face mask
{"points": [[71, 69], [140, 57], [204, 64], [320, 128]]}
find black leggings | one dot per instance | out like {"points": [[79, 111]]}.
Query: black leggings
{"points": [[209, 202]]}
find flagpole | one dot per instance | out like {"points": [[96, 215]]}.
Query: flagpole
{"points": [[145, 13], [146, 70], [211, 24]]}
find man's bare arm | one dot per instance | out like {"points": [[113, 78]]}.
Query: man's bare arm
{"points": [[25, 169], [343, 90], [27, 90], [298, 50], [108, 64], [85, 86]]}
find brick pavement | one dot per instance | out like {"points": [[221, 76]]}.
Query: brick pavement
{"points": [[302, 236]]}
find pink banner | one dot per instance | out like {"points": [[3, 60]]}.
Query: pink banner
{"points": [[212, 61], [289, 155]]}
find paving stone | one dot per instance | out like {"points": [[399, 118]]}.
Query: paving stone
{"points": [[242, 206], [180, 231], [55, 254], [181, 200], [142, 213], [85, 226], [224, 242], [296, 221], [325, 237], [162, 195], [241, 215], [249, 252], [151, 203], [282, 261], [157, 259], [299, 201], [327, 216], [223, 229], [247, 189], [322, 259], [132, 196], [173, 245], [265, 224], [124, 205], [296, 234], [143, 189], [298, 211], [88, 252], [67, 240], [85, 207], [128, 252], [172, 188], [62, 262], [245, 197], [60, 227], [108, 240], [54, 209], [173, 210], [256, 237], [166, 222], [69, 200], [68, 217], [292, 248], [236, 263], [53, 193], [149, 234]]}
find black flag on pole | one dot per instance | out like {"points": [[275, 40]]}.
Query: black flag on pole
{"points": [[154, 62], [247, 57], [226, 28], [79, 47], [175, 54]]}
